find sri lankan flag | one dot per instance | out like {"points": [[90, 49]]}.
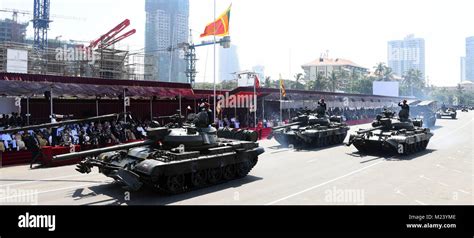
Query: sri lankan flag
{"points": [[282, 88], [220, 27]]}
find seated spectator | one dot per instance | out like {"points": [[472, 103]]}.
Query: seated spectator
{"points": [[41, 140], [20, 144], [8, 142]]}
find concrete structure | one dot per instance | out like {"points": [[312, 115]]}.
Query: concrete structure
{"points": [[325, 67], [12, 31], [228, 63], [167, 28], [470, 58], [463, 69], [406, 54]]}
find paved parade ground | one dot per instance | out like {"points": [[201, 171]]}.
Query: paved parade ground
{"points": [[442, 175]]}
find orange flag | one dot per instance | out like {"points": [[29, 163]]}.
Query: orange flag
{"points": [[220, 27]]}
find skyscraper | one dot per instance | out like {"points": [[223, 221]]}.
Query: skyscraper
{"points": [[407, 54], [167, 28], [463, 69], [470, 58], [228, 63]]}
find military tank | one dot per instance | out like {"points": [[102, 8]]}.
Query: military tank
{"points": [[450, 112], [175, 158], [390, 134], [311, 130]]}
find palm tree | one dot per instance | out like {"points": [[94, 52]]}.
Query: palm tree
{"points": [[319, 84], [380, 70], [299, 77], [460, 94], [268, 82], [413, 79], [333, 81], [388, 74]]}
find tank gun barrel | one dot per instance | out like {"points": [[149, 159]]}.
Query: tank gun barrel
{"points": [[287, 125], [370, 130], [88, 153], [59, 124]]}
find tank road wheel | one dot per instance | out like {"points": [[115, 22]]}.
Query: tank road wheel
{"points": [[332, 140], [324, 141], [229, 172], [214, 175], [419, 146], [243, 169], [199, 178], [410, 149], [175, 183]]}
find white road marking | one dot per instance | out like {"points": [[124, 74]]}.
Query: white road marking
{"points": [[421, 203], [457, 171], [443, 184], [423, 177], [462, 191], [280, 150], [398, 191], [41, 180], [440, 166], [325, 183]]}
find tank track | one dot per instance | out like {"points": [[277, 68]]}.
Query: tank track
{"points": [[182, 183], [308, 142]]}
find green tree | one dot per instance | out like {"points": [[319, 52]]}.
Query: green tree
{"points": [[413, 80], [460, 94], [380, 70], [299, 77], [319, 84], [333, 81]]}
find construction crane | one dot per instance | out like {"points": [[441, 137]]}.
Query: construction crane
{"points": [[109, 39], [190, 55], [16, 12], [41, 20]]}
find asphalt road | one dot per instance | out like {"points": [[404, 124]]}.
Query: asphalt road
{"points": [[442, 175]]}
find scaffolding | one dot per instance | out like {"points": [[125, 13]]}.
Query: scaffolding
{"points": [[106, 63]]}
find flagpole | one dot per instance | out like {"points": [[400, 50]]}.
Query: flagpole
{"points": [[281, 103], [214, 70], [255, 98]]}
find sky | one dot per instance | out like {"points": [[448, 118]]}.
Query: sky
{"points": [[282, 35]]}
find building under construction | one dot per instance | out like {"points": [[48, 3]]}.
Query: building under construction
{"points": [[11, 30], [106, 63], [67, 58]]}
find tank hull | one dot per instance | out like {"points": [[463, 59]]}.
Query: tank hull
{"points": [[311, 138], [399, 144], [178, 171]]}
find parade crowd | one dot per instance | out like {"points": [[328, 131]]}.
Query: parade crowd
{"points": [[96, 134]]}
